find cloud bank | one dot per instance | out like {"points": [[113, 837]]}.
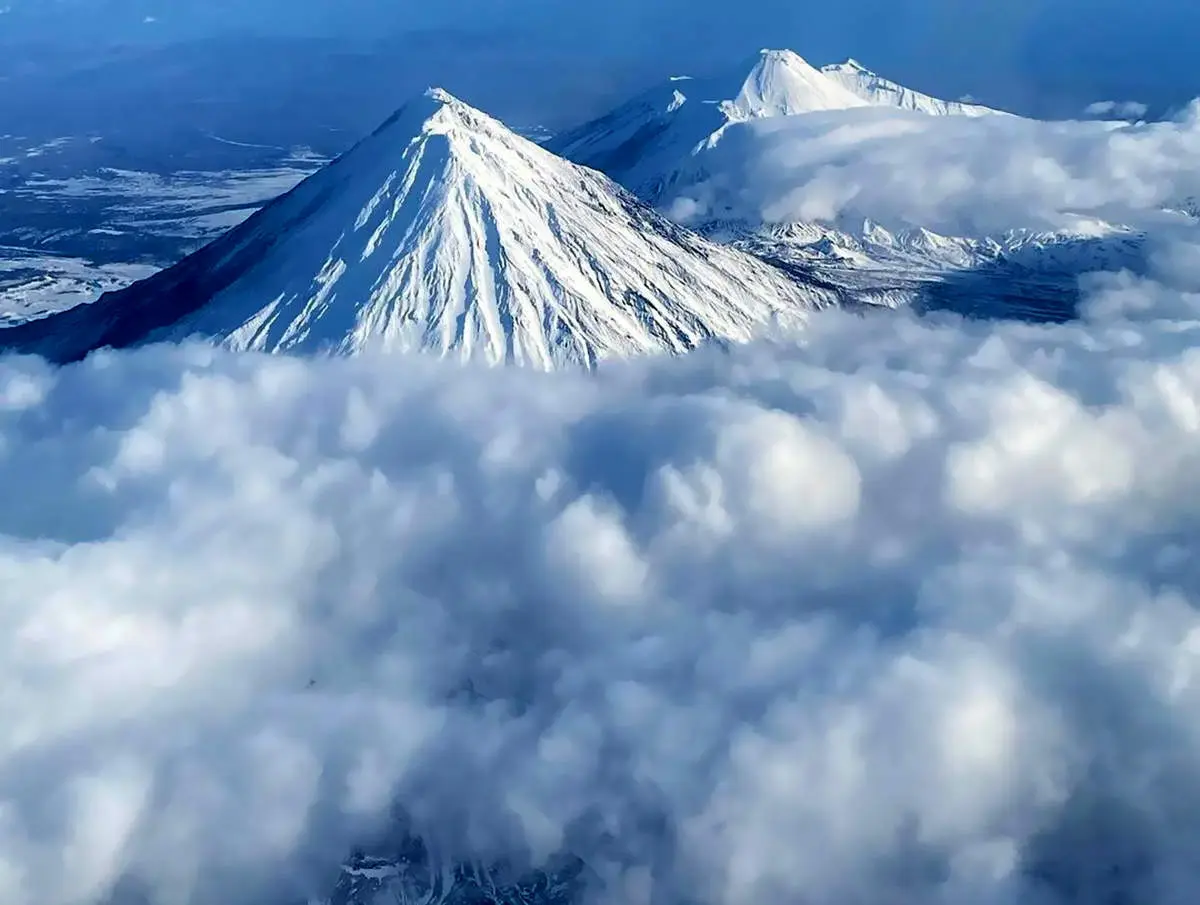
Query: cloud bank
{"points": [[948, 174], [899, 611]]}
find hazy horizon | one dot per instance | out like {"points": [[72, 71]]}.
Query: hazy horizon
{"points": [[1048, 56]]}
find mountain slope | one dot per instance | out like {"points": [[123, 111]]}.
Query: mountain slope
{"points": [[782, 83], [641, 142], [444, 231], [877, 91]]}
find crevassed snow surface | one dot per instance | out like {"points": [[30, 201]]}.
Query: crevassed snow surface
{"points": [[880, 92], [444, 231]]}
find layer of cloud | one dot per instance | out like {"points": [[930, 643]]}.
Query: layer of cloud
{"points": [[899, 611], [948, 174]]}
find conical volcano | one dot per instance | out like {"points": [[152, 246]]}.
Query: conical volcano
{"points": [[445, 232]]}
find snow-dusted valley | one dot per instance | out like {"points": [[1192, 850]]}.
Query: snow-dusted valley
{"points": [[845, 556], [72, 229]]}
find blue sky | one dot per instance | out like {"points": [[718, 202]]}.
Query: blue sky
{"points": [[1019, 51]]}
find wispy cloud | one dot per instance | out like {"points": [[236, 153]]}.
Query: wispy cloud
{"points": [[1119, 109]]}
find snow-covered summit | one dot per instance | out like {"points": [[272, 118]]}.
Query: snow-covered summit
{"points": [[782, 83], [644, 142], [444, 231], [877, 91]]}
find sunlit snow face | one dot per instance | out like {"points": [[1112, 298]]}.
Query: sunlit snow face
{"points": [[900, 610]]}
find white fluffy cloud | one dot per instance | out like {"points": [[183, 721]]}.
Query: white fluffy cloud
{"points": [[949, 174], [1119, 109], [901, 611]]}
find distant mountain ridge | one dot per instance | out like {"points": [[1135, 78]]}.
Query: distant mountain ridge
{"points": [[690, 133]]}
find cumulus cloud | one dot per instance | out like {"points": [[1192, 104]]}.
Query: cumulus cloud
{"points": [[953, 175], [902, 610], [1119, 109]]}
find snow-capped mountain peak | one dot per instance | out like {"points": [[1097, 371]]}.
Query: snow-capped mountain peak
{"points": [[782, 83], [643, 143], [437, 112], [445, 231]]}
